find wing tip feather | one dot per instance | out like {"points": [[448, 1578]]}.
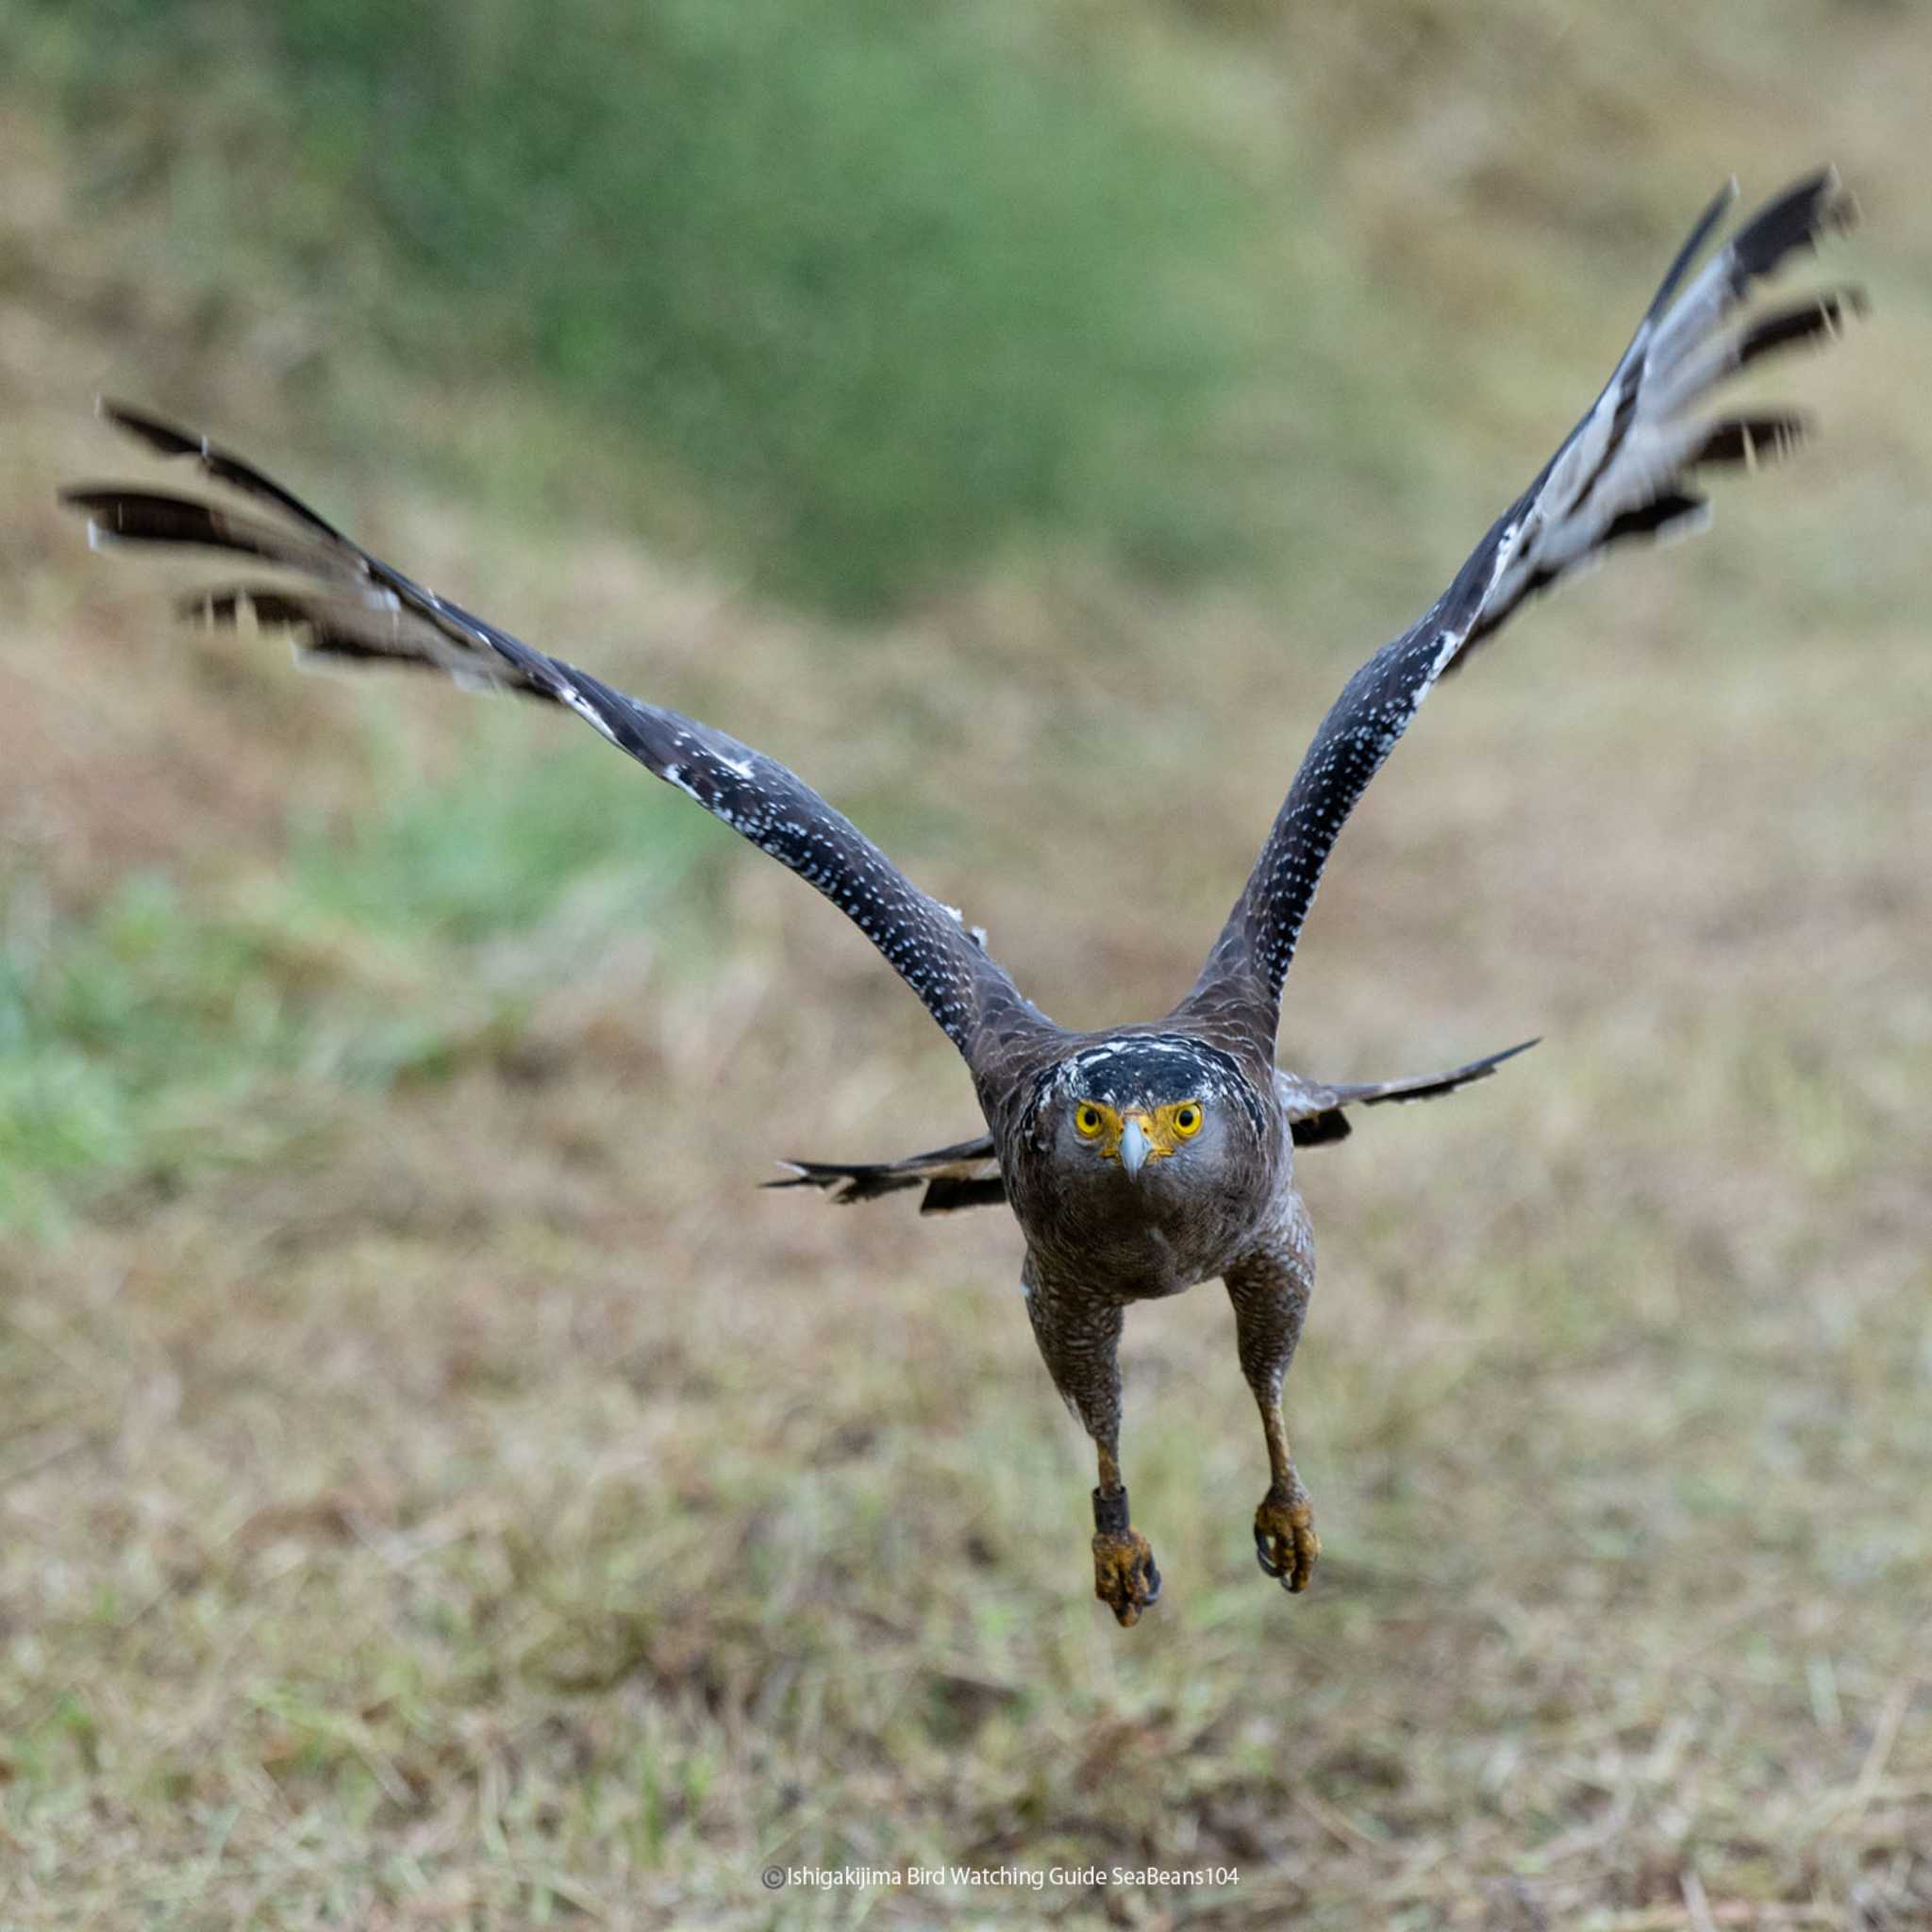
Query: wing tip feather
{"points": [[159, 435]]}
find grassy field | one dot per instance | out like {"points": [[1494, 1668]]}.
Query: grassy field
{"points": [[437, 1489]]}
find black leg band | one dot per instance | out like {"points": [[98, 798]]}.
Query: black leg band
{"points": [[1110, 1510]]}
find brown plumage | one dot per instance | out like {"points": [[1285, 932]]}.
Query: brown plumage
{"points": [[1144, 1159]]}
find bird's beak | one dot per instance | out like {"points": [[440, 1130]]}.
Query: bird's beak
{"points": [[1133, 1146]]}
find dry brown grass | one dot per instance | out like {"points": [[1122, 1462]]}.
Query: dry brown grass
{"points": [[494, 1510]]}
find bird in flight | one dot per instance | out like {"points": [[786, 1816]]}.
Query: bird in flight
{"points": [[1141, 1159]]}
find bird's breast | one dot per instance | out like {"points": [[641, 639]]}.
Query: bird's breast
{"points": [[1126, 1243]]}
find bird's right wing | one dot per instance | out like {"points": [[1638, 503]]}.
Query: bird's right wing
{"points": [[967, 1175], [963, 1175], [1625, 471], [349, 608]]}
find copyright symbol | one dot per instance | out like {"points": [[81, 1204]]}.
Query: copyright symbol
{"points": [[774, 1878]]}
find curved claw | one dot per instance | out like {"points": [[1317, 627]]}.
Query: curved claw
{"points": [[1125, 1576], [1286, 1546]]}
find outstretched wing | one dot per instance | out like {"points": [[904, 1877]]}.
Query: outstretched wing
{"points": [[354, 610], [968, 1174], [1316, 1111], [1625, 471], [963, 1175]]}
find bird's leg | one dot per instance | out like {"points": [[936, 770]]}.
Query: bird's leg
{"points": [[1079, 1336], [1270, 1293], [1286, 1546], [1125, 1576]]}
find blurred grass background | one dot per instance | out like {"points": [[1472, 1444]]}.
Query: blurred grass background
{"points": [[435, 1487]]}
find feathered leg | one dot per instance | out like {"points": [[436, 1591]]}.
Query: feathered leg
{"points": [[1079, 1335], [1269, 1292]]}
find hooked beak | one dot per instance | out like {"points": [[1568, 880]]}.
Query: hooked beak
{"points": [[1133, 1146]]}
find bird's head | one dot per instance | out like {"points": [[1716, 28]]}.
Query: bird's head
{"points": [[1164, 1114]]}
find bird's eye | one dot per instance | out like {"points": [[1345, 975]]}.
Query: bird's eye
{"points": [[1086, 1121], [1187, 1119]]}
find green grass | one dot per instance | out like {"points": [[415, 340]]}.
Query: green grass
{"points": [[166, 1032], [499, 848], [125, 1040], [887, 290]]}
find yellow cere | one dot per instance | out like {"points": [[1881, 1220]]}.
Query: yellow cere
{"points": [[1166, 1127]]}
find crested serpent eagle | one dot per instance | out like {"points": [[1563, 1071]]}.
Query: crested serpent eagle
{"points": [[1143, 1158]]}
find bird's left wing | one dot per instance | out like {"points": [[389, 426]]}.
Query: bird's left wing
{"points": [[350, 608], [1625, 471], [968, 1174], [1317, 1111]]}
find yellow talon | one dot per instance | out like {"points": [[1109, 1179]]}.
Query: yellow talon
{"points": [[1125, 1576], [1286, 1546]]}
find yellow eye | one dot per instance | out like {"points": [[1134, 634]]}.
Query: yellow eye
{"points": [[1187, 1119], [1086, 1121]]}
